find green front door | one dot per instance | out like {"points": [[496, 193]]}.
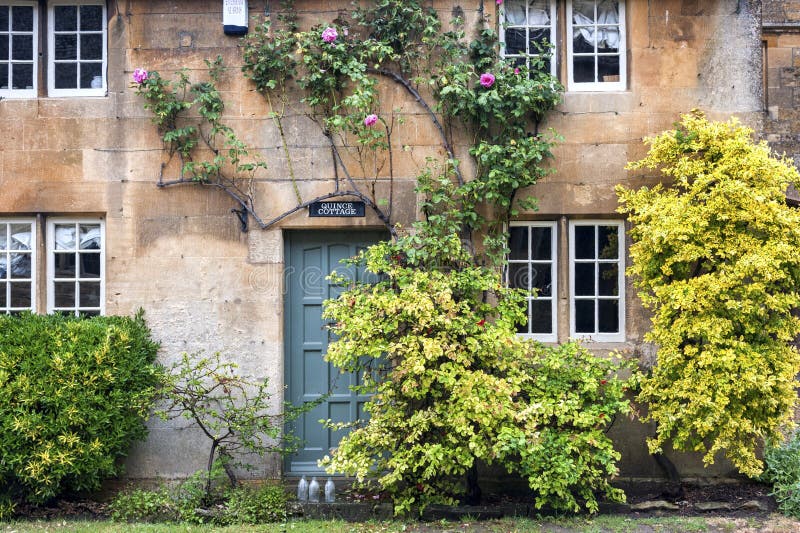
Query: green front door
{"points": [[310, 257]]}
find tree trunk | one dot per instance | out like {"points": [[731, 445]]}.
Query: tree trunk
{"points": [[473, 496]]}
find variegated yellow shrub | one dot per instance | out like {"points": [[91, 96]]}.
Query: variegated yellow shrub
{"points": [[716, 258]]}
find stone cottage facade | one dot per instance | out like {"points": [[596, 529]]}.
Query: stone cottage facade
{"points": [[85, 229]]}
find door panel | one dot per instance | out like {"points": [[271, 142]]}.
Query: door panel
{"points": [[310, 257]]}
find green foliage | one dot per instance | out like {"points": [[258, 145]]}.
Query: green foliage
{"points": [[453, 384], [715, 259], [170, 102], [234, 412], [188, 502], [185, 502], [74, 394], [783, 471], [141, 505], [247, 505], [7, 508]]}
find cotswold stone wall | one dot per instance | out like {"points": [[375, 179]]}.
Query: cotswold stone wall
{"points": [[178, 252], [781, 37]]}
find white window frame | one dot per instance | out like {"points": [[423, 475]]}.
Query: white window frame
{"points": [[620, 85], [597, 336], [553, 42], [6, 252], [51, 61], [543, 337], [75, 309], [32, 92]]}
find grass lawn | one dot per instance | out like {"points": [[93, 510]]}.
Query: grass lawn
{"points": [[606, 523]]}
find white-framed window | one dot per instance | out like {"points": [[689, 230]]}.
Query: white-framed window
{"points": [[17, 265], [76, 266], [596, 47], [19, 22], [532, 264], [528, 30], [596, 278], [77, 57]]}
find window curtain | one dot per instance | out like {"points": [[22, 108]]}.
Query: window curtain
{"points": [[538, 13], [607, 13]]}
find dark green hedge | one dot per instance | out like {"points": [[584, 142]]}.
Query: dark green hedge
{"points": [[74, 394]]}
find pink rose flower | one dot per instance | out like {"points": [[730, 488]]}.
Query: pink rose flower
{"points": [[139, 75], [498, 2], [329, 35], [487, 80], [516, 70], [370, 120]]}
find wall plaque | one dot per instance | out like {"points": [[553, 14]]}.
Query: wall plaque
{"points": [[337, 209]]}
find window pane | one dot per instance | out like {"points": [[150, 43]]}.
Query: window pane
{"points": [[91, 18], [608, 311], [542, 279], [541, 316], [66, 18], [66, 46], [64, 294], [583, 69], [20, 294], [90, 71], [608, 39], [20, 266], [66, 75], [539, 40], [3, 268], [515, 12], [4, 51], [583, 11], [584, 242], [64, 265], [65, 237], [90, 265], [584, 316], [584, 279], [519, 276], [20, 236], [541, 244], [4, 19], [609, 275], [92, 46], [515, 41], [3, 76], [518, 243], [22, 48], [22, 76], [607, 238], [90, 237], [89, 294], [608, 68], [21, 18], [3, 288], [539, 13]]}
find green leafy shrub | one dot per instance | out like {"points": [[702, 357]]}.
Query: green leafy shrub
{"points": [[459, 386], [247, 505], [188, 502], [783, 471], [74, 394], [140, 505], [715, 258]]}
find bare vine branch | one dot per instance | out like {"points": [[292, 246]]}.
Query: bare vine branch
{"points": [[421, 101]]}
